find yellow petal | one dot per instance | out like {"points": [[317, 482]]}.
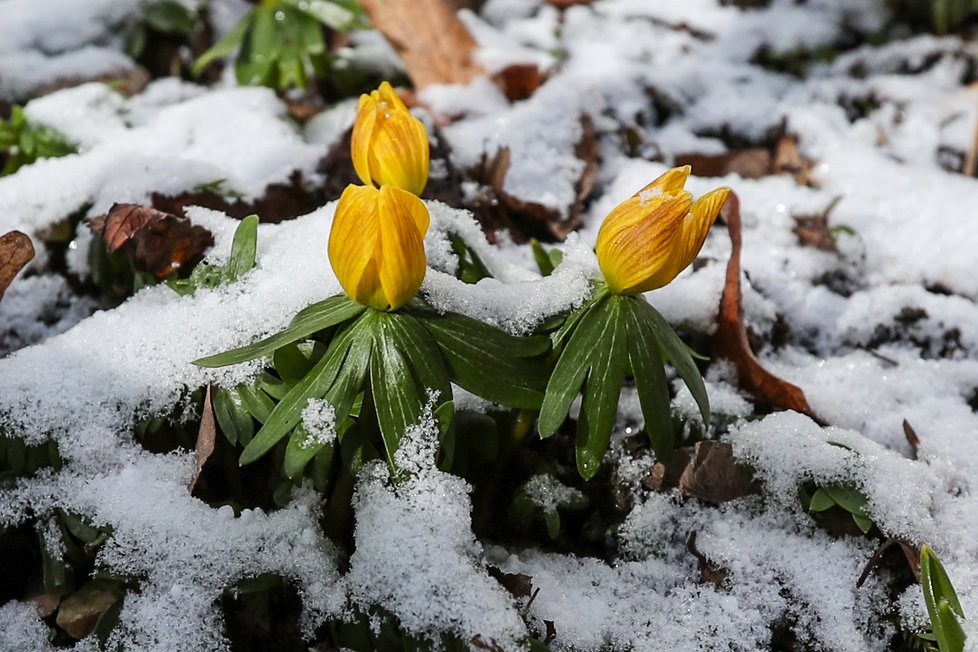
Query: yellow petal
{"points": [[399, 152], [669, 182], [353, 245], [635, 243], [402, 259], [363, 128], [696, 226]]}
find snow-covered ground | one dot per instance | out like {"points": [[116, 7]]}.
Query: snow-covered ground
{"points": [[883, 330]]}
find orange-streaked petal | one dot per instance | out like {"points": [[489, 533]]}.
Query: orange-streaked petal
{"points": [[354, 243], [702, 214], [402, 258], [399, 151], [669, 182], [360, 139], [634, 244]]}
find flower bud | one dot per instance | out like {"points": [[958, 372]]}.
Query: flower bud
{"points": [[652, 236], [389, 145], [376, 245]]}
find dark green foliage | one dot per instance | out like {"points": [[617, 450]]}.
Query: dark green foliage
{"points": [[25, 143]]}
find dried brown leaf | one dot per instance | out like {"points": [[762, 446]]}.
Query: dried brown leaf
{"points": [[752, 163], [709, 572], [518, 584], [16, 250], [518, 81], [714, 476], [664, 477], [80, 611], [788, 160], [155, 242], [206, 437], [730, 340], [912, 438], [434, 45]]}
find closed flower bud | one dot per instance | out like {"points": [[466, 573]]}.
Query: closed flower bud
{"points": [[653, 235], [376, 245], [389, 145]]}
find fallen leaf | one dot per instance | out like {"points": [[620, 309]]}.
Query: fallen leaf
{"points": [[155, 242], [752, 163], [80, 611], [730, 340], [910, 553], [16, 250], [518, 584], [813, 231], [709, 572], [206, 437], [564, 4], [528, 219], [714, 476], [478, 642], [518, 81], [434, 45], [912, 438], [664, 477]]}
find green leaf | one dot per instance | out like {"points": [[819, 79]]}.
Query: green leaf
{"points": [[589, 334], [821, 501], [864, 523], [397, 399], [488, 362], [552, 519], [314, 385], [260, 49], [649, 374], [602, 389], [170, 17], [422, 353], [235, 421], [942, 602], [678, 354], [256, 402], [226, 46], [317, 317], [849, 498], [328, 13], [290, 363], [244, 249]]}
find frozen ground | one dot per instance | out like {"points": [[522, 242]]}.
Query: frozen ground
{"points": [[883, 330]]}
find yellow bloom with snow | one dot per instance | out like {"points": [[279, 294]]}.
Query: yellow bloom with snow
{"points": [[652, 236], [376, 245], [389, 145]]}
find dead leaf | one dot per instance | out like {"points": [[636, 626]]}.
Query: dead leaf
{"points": [[155, 242], [478, 642], [564, 4], [910, 553], [912, 438], [518, 584], [16, 250], [709, 572], [813, 231], [714, 476], [528, 219], [752, 163], [80, 611], [730, 340], [518, 81], [664, 477], [205, 439], [434, 45], [788, 160]]}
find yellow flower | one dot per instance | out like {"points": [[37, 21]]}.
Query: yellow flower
{"points": [[376, 245], [389, 145], [652, 236]]}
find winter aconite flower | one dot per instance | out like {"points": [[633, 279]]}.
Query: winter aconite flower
{"points": [[389, 145], [652, 236], [376, 245]]}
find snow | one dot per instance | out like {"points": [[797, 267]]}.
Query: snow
{"points": [[882, 331]]}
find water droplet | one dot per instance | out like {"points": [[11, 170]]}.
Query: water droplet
{"points": [[781, 208], [280, 15]]}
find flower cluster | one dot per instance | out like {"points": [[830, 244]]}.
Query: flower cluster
{"points": [[376, 245]]}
